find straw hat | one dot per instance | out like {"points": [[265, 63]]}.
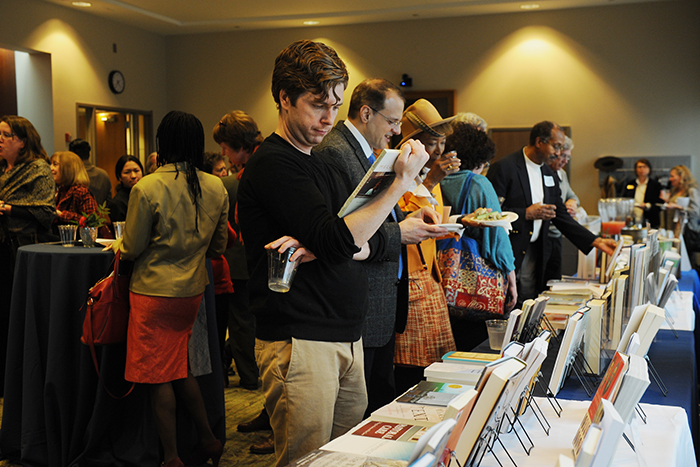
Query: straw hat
{"points": [[419, 117]]}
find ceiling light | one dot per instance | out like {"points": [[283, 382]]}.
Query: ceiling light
{"points": [[310, 23], [82, 4], [532, 6]]}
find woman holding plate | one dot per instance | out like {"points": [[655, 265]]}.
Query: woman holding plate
{"points": [[492, 261]]}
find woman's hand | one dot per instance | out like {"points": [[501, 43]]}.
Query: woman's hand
{"points": [[446, 164], [512, 291], [282, 244], [5, 209]]}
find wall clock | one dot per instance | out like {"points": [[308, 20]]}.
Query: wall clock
{"points": [[116, 82]]}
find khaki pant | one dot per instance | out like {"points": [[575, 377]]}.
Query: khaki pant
{"points": [[314, 392]]}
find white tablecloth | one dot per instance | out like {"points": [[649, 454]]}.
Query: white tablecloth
{"points": [[665, 441]]}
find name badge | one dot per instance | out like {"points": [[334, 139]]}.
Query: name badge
{"points": [[548, 181]]}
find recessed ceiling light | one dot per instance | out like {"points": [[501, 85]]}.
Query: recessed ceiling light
{"points": [[82, 4], [310, 23], [532, 6]]}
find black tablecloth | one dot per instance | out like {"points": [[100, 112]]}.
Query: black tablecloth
{"points": [[56, 412]]}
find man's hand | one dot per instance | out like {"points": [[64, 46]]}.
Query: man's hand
{"points": [[420, 225], [5, 208], [571, 207], [411, 160], [541, 211], [606, 245], [282, 244]]}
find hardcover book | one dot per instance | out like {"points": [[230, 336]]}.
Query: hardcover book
{"points": [[376, 180]]}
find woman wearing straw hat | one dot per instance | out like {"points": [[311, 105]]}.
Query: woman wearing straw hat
{"points": [[428, 335]]}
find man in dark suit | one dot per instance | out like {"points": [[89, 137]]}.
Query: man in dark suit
{"points": [[529, 188], [374, 117]]}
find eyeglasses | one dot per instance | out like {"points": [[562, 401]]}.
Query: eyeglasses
{"points": [[6, 135], [394, 123], [556, 147]]}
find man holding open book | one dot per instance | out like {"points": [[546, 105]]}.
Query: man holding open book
{"points": [[308, 344], [374, 116]]}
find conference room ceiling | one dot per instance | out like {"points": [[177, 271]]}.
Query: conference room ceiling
{"points": [[170, 17]]}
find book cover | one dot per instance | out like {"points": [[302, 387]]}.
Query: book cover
{"points": [[634, 384], [490, 390], [466, 402], [376, 180], [569, 344], [433, 393], [611, 427], [607, 390], [457, 356], [379, 439], [407, 413]]}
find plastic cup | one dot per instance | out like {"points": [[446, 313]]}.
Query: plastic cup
{"points": [[67, 233], [497, 330], [119, 229], [280, 270]]}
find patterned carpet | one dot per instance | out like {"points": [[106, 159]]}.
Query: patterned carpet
{"points": [[241, 406]]}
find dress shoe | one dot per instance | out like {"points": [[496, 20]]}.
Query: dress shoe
{"points": [[259, 423], [211, 451], [266, 446], [174, 463]]}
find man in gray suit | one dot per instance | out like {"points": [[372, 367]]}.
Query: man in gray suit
{"points": [[374, 117]]}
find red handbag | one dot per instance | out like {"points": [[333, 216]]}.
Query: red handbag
{"points": [[107, 309], [107, 313]]}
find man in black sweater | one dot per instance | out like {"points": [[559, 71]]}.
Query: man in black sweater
{"points": [[308, 344]]}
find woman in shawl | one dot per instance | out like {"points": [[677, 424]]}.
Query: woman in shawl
{"points": [[27, 205]]}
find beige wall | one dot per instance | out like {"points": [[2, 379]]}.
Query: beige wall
{"points": [[81, 59], [625, 78]]}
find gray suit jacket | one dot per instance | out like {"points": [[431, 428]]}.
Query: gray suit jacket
{"points": [[341, 148]]}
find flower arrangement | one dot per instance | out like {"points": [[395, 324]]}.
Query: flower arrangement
{"points": [[95, 219]]}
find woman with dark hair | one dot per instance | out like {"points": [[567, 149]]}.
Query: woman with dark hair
{"points": [[176, 216], [466, 191], [128, 171], [646, 192], [27, 205]]}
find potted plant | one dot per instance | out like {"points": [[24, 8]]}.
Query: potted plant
{"points": [[89, 223]]}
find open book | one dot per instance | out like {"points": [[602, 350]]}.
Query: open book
{"points": [[376, 180]]}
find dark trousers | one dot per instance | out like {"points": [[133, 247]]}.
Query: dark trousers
{"points": [[379, 375], [241, 331]]}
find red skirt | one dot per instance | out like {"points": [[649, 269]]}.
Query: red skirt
{"points": [[157, 338]]}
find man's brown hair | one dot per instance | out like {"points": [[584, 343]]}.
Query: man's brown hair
{"points": [[238, 130], [307, 66]]}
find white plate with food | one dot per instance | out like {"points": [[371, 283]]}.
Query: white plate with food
{"points": [[495, 219]]}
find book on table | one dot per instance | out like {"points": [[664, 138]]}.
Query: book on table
{"points": [[608, 390], [593, 343], [645, 320], [460, 373], [488, 407], [467, 404], [416, 414], [533, 356], [379, 439], [511, 327], [457, 356], [376, 180], [611, 427], [323, 458], [634, 384], [433, 393], [570, 343]]}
